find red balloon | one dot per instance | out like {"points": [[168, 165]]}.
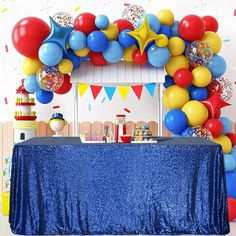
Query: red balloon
{"points": [[218, 114], [232, 208], [191, 28], [139, 58], [123, 24], [85, 22], [214, 103], [210, 23], [232, 138], [191, 68], [28, 35], [66, 86], [215, 126], [183, 77], [97, 58]]}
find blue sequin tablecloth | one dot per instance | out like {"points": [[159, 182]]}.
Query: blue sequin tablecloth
{"points": [[60, 186]]}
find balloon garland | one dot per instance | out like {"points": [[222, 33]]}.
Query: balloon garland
{"points": [[196, 89]]}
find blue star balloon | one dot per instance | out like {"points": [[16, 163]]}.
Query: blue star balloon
{"points": [[58, 34]]}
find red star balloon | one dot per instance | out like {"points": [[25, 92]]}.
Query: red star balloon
{"points": [[214, 103]]}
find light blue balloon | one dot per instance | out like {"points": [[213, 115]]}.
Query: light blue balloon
{"points": [[153, 22], [102, 21], [217, 66], [229, 163], [175, 29], [50, 54], [228, 125], [158, 57], [77, 40], [233, 152], [30, 84], [114, 52]]}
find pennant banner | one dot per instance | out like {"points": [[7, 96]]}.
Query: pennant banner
{"points": [[82, 89], [95, 90], [150, 88], [110, 92], [123, 90], [138, 90]]}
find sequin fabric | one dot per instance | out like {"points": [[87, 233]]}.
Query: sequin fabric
{"points": [[60, 186]]}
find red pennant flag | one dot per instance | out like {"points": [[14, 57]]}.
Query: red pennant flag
{"points": [[138, 90], [95, 90]]}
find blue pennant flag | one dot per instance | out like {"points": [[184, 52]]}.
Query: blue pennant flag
{"points": [[110, 91], [150, 88]]}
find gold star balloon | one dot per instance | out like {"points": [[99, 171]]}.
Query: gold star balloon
{"points": [[144, 35]]}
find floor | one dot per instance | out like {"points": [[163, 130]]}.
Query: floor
{"points": [[5, 229]]}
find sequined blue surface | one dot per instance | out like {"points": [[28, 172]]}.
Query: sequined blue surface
{"points": [[60, 186]]}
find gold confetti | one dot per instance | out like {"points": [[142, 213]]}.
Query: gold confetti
{"points": [[77, 8], [4, 10]]}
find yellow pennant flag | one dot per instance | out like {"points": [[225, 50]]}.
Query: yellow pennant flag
{"points": [[123, 90], [82, 89]]}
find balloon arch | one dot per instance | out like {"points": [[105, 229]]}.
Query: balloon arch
{"points": [[188, 49]]}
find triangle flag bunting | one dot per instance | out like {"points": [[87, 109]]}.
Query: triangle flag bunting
{"points": [[95, 90], [82, 89], [138, 90], [124, 90], [150, 88], [110, 92]]}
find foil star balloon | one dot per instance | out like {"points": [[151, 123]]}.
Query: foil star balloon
{"points": [[144, 35], [214, 103], [58, 34]]}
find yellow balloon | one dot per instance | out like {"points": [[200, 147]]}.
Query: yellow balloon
{"points": [[213, 40], [196, 112], [225, 143], [30, 66], [175, 63], [166, 17], [176, 46], [111, 32], [175, 97], [128, 52], [201, 76], [82, 53], [162, 41], [65, 66]]}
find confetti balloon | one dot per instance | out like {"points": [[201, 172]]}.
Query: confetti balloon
{"points": [[222, 86], [63, 19], [199, 53], [198, 131], [133, 13], [49, 78]]}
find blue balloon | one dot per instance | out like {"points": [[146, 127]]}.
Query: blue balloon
{"points": [[102, 21], [187, 131], [30, 84], [114, 52], [233, 152], [230, 183], [125, 39], [217, 66], [44, 97], [175, 29], [148, 46], [168, 81], [50, 54], [176, 121], [153, 22], [73, 58], [165, 30], [97, 41], [229, 163], [77, 40], [228, 125], [158, 57], [198, 94]]}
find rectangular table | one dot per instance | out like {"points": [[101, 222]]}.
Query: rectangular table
{"points": [[60, 186]]}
